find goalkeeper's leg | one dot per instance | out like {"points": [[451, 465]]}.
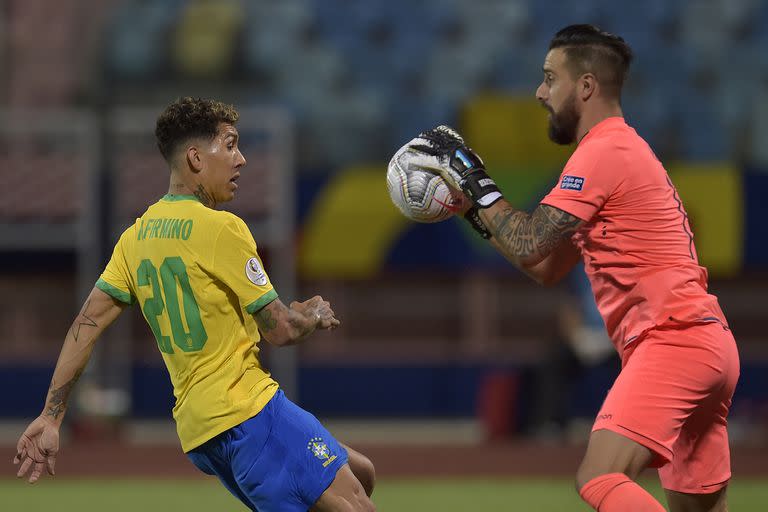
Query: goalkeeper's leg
{"points": [[605, 479], [667, 409]]}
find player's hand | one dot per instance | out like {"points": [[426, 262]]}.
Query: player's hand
{"points": [[444, 150], [37, 449], [319, 311], [431, 150]]}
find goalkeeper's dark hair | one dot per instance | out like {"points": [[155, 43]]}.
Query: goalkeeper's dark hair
{"points": [[190, 118], [591, 50]]}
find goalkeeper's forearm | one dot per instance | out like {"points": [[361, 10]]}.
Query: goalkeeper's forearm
{"points": [[514, 234], [98, 312], [530, 241]]}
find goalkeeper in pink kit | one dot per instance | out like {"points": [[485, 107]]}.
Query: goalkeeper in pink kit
{"points": [[615, 208]]}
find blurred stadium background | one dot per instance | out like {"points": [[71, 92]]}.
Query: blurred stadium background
{"points": [[440, 367]]}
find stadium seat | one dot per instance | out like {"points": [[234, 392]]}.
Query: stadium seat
{"points": [[137, 46], [719, 231], [275, 33], [510, 131], [204, 41]]}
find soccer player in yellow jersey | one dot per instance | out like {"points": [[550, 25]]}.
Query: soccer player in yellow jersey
{"points": [[196, 275]]}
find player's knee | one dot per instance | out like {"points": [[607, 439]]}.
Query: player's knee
{"points": [[609, 452], [584, 474], [588, 472]]}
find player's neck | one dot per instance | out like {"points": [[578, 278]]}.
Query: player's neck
{"points": [[591, 117], [179, 188]]}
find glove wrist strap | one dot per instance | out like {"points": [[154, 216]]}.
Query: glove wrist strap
{"points": [[475, 182], [488, 199], [473, 217], [480, 188]]}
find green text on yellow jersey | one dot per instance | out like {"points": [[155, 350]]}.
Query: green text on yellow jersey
{"points": [[197, 278]]}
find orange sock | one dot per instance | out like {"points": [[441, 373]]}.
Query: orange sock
{"points": [[615, 492]]}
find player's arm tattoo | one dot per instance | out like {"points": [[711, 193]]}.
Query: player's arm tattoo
{"points": [[204, 196], [282, 325], [59, 396], [532, 236], [82, 320], [265, 320], [304, 324]]}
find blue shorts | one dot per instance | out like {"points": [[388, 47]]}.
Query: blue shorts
{"points": [[282, 459]]}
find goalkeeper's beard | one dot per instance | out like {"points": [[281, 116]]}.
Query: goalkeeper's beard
{"points": [[562, 126]]}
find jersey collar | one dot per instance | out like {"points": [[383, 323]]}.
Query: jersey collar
{"points": [[605, 124], [174, 197]]}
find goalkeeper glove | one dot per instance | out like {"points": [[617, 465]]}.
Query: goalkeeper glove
{"points": [[458, 164]]}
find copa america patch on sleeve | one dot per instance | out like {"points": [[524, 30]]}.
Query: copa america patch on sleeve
{"points": [[255, 273], [572, 182]]}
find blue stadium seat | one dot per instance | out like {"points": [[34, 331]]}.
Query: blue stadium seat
{"points": [[518, 70], [702, 130], [420, 112], [274, 33], [136, 38], [637, 19]]}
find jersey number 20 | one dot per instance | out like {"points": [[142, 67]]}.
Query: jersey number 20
{"points": [[171, 270]]}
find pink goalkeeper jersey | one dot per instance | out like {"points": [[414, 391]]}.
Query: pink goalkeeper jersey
{"points": [[637, 243]]}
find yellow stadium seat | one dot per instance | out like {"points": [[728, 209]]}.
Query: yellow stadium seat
{"points": [[714, 199], [205, 38], [510, 131]]}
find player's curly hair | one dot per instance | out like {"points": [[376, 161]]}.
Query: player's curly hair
{"points": [[589, 49], [188, 118]]}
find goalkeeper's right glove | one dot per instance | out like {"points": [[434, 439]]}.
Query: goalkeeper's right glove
{"points": [[459, 165]]}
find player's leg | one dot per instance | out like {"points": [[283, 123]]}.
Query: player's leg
{"points": [[609, 452], [696, 478], [666, 379], [208, 459], [625, 440], [684, 502], [362, 468], [345, 494], [605, 478], [285, 459]]}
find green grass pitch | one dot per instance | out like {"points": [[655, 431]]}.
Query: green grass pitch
{"points": [[449, 495]]}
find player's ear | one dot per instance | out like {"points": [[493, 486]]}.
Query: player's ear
{"points": [[194, 159], [586, 86]]}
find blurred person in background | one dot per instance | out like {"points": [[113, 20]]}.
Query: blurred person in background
{"points": [[203, 290], [615, 206], [582, 349]]}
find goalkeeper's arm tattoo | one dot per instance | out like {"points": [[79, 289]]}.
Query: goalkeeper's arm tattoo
{"points": [[533, 236]]}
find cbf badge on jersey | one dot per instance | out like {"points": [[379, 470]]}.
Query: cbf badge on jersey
{"points": [[572, 182], [255, 273], [320, 450]]}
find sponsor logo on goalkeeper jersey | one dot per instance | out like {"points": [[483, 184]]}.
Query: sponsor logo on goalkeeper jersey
{"points": [[572, 182], [319, 449], [255, 273]]}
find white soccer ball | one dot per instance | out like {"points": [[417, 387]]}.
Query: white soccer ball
{"points": [[420, 194]]}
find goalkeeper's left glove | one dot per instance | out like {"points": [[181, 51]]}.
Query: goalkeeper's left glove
{"points": [[459, 165]]}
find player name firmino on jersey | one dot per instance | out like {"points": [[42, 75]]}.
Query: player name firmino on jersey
{"points": [[165, 228]]}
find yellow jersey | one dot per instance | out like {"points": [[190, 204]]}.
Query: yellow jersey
{"points": [[197, 277]]}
